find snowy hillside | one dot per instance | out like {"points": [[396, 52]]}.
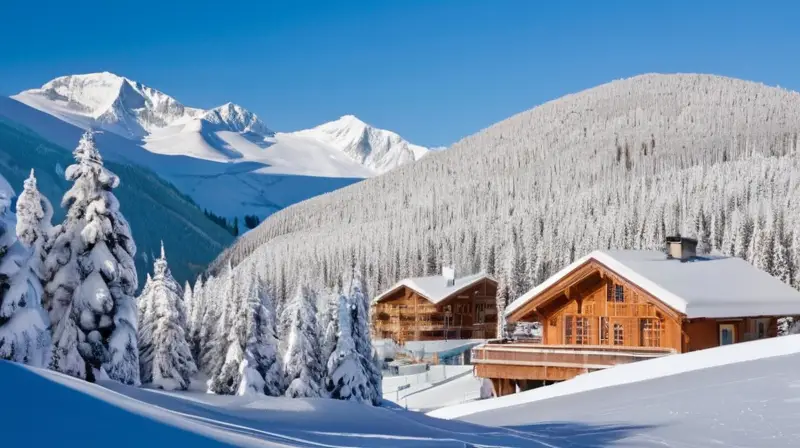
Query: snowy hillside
{"points": [[199, 419], [618, 166], [637, 372], [241, 166], [749, 400]]}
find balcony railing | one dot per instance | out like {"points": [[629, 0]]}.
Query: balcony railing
{"points": [[590, 357]]}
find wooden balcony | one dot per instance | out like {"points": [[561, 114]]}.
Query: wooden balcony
{"points": [[554, 362]]}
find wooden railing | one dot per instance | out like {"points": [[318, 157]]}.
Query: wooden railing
{"points": [[582, 356]]}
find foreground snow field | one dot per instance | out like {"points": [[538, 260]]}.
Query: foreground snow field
{"points": [[123, 416], [746, 395]]}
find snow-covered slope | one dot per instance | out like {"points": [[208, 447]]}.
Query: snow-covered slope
{"points": [[743, 395], [244, 155], [124, 416], [377, 149], [747, 400], [638, 371]]}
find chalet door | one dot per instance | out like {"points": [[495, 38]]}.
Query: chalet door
{"points": [[727, 334]]}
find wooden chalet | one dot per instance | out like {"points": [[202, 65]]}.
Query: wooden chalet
{"points": [[614, 307], [437, 307]]}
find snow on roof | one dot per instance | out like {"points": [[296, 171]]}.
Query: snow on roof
{"points": [[709, 286], [434, 287]]}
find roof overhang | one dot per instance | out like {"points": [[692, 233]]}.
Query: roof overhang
{"points": [[577, 272], [406, 283]]}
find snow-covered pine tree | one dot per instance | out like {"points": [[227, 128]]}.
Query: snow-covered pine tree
{"points": [[34, 215], [346, 378], [514, 268], [195, 317], [266, 344], [219, 318], [302, 365], [261, 371], [359, 302], [251, 365], [501, 300], [227, 377], [24, 326], [213, 303], [145, 320], [329, 324], [90, 272], [188, 304], [167, 362]]}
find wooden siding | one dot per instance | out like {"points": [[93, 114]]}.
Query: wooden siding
{"points": [[602, 308], [704, 333], [406, 315]]}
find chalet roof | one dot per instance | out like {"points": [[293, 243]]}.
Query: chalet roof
{"points": [[434, 287], [710, 286]]}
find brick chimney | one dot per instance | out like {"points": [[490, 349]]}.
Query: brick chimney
{"points": [[681, 248]]}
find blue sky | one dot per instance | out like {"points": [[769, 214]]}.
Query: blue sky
{"points": [[434, 71]]}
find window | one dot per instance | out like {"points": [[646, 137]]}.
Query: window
{"points": [[480, 313], [650, 332], [582, 335], [603, 330], [568, 329], [761, 328], [619, 334], [727, 334], [619, 293]]}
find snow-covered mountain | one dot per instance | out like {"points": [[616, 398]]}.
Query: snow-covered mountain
{"points": [[377, 149], [229, 132], [109, 102], [237, 164]]}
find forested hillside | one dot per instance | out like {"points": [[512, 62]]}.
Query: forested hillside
{"points": [[155, 209], [618, 166]]}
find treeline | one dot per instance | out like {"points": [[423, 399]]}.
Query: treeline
{"points": [[250, 222]]}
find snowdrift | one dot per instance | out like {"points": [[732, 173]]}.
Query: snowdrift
{"points": [[635, 372]]}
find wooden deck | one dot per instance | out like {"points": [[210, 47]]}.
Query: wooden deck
{"points": [[523, 362]]}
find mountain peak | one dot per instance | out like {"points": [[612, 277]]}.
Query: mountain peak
{"points": [[375, 148], [108, 101], [350, 120], [233, 117]]}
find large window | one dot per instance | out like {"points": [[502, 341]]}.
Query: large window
{"points": [[619, 335], [577, 330], [582, 334], [650, 332]]}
